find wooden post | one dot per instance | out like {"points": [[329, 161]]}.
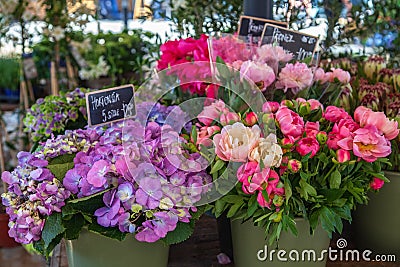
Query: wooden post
{"points": [[71, 74], [53, 79]]}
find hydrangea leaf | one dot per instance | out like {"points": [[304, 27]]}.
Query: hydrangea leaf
{"points": [[181, 233], [53, 231], [111, 232], [60, 165]]}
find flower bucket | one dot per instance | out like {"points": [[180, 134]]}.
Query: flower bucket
{"points": [[376, 225], [93, 250], [251, 249], [5, 240]]}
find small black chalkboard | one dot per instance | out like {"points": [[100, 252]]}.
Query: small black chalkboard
{"points": [[252, 27], [109, 105], [301, 45]]}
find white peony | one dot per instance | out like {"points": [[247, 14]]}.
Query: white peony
{"points": [[268, 151]]}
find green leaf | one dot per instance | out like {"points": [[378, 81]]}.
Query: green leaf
{"points": [[111, 232], [233, 210], [194, 134], [288, 191], [181, 233], [335, 180], [332, 194], [52, 232], [232, 199], [85, 205], [219, 207], [73, 226], [219, 164], [60, 165], [306, 157]]}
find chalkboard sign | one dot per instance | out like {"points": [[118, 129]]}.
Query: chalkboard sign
{"points": [[252, 28], [109, 105], [299, 44]]}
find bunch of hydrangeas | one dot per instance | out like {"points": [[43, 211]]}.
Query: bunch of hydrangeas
{"points": [[34, 192], [53, 113], [139, 179]]}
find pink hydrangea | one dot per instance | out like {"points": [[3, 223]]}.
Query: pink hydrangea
{"points": [[295, 77]]}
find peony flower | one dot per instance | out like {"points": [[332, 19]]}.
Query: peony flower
{"points": [[229, 118], [376, 183], [290, 123], [341, 130], [320, 76], [315, 104], [294, 165], [367, 144], [260, 73], [269, 52], [250, 119], [247, 170], [312, 128], [268, 151], [270, 107], [387, 127], [203, 136], [342, 155], [335, 114], [341, 75], [295, 77], [236, 141], [212, 112], [307, 145]]}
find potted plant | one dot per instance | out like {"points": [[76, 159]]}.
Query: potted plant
{"points": [[375, 225], [114, 181]]}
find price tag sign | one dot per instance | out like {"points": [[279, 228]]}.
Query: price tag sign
{"points": [[110, 105], [253, 27], [301, 45]]}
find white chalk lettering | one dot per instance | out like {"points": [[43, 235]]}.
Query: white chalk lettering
{"points": [[105, 100], [302, 54], [282, 37]]}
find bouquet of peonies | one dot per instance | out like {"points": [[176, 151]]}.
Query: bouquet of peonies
{"points": [[129, 177], [295, 159]]}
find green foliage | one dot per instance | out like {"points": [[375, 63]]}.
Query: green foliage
{"points": [[192, 18], [10, 73], [60, 165]]}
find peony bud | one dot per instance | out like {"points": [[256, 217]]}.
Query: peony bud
{"points": [[342, 155], [376, 183], [322, 137], [287, 103], [250, 119], [305, 109], [229, 118], [270, 107], [287, 142], [294, 165], [373, 66]]}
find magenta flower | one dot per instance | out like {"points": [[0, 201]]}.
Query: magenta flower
{"points": [[290, 123], [376, 183], [335, 114], [307, 145]]}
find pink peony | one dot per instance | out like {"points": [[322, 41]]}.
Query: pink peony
{"points": [[270, 107], [376, 183], [367, 144], [295, 77], [342, 75], [320, 76], [307, 145], [260, 73], [312, 128], [341, 130], [250, 119], [294, 165], [315, 104], [203, 136], [247, 170], [267, 180], [335, 114], [290, 123], [236, 141], [269, 52], [229, 118], [342, 155], [212, 112], [387, 127]]}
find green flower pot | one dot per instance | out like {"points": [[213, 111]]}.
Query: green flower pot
{"points": [[251, 249], [93, 250], [376, 226]]}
